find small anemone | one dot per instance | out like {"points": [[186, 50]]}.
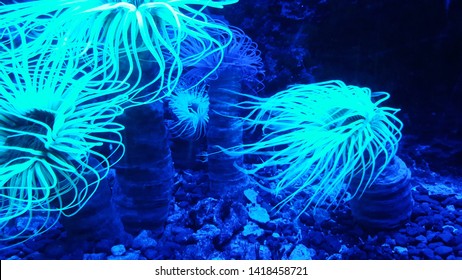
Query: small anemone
{"points": [[190, 106]]}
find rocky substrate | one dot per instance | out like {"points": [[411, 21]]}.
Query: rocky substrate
{"points": [[204, 228]]}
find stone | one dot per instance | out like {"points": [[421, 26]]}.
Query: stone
{"points": [[95, 256], [428, 253], [421, 239], [446, 237], [258, 214], [264, 253], [443, 251], [132, 255], [251, 195], [301, 252], [118, 250], [208, 232], [401, 239], [402, 251], [143, 240], [252, 229]]}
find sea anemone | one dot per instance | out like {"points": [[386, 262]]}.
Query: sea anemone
{"points": [[141, 41], [191, 109], [321, 138], [58, 139]]}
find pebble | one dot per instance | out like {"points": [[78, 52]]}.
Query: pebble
{"points": [[421, 239], [401, 250], [428, 253], [433, 245], [264, 253], [258, 214], [400, 239], [133, 255], [415, 230], [118, 250], [446, 237], [252, 229], [95, 256], [143, 240], [301, 252], [443, 251]]}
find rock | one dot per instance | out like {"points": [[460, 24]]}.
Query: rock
{"points": [[390, 241], [401, 239], [184, 236], [446, 237], [415, 230], [436, 220], [321, 215], [431, 236], [264, 253], [421, 239], [132, 255], [95, 257], [195, 252], [252, 228], [315, 237], [118, 250], [307, 219], [421, 246], [413, 251], [335, 257], [151, 253], [428, 253], [443, 251], [208, 232], [402, 251], [143, 240], [240, 249], [438, 197], [433, 245], [301, 252], [418, 211], [423, 198], [258, 214], [251, 195]]}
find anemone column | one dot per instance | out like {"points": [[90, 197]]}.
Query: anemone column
{"points": [[241, 68], [145, 175], [225, 130]]}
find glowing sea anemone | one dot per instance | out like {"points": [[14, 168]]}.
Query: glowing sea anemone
{"points": [[55, 122], [321, 138], [140, 40], [191, 109]]}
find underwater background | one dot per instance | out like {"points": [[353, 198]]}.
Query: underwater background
{"points": [[185, 188]]}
